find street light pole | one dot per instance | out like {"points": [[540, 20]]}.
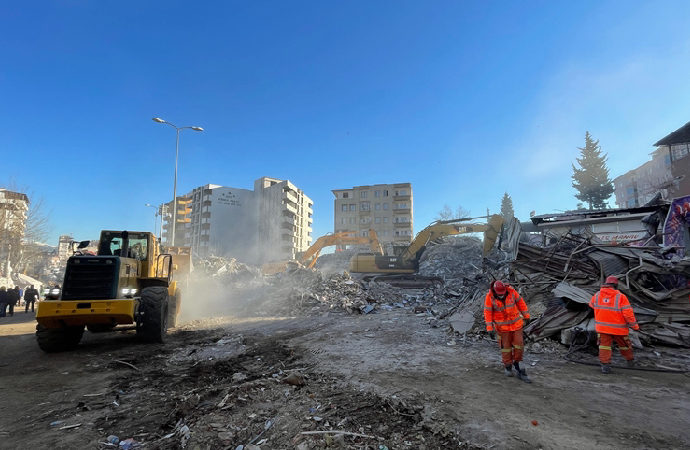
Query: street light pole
{"points": [[155, 217], [177, 153]]}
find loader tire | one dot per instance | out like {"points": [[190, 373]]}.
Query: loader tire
{"points": [[174, 308], [52, 340], [154, 309]]}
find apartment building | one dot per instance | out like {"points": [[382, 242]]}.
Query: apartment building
{"points": [[387, 208], [285, 217], [638, 186], [14, 207], [272, 222], [677, 146]]}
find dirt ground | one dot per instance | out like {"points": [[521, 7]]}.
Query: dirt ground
{"points": [[389, 379]]}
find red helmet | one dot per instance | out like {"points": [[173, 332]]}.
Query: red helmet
{"points": [[500, 288], [611, 280]]}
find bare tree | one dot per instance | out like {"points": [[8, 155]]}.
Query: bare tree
{"points": [[447, 213], [21, 229]]}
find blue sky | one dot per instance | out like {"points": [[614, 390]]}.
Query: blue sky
{"points": [[465, 100]]}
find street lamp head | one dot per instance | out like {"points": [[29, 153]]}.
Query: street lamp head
{"points": [[158, 119], [197, 129], [148, 204]]}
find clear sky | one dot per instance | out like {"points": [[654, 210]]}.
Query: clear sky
{"points": [[463, 99]]}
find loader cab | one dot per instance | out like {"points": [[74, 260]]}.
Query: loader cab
{"points": [[125, 244]]}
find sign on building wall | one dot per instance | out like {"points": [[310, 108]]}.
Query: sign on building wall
{"points": [[677, 222]]}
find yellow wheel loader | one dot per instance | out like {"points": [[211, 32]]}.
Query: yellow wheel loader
{"points": [[129, 284]]}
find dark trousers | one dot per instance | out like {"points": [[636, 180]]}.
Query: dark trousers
{"points": [[26, 305]]}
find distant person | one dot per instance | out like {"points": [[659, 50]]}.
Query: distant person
{"points": [[3, 301], [504, 311], [30, 296], [613, 315], [13, 298]]}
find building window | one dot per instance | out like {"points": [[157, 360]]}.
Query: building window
{"points": [[342, 221], [345, 194], [377, 206], [385, 192], [377, 220], [344, 207], [362, 194], [377, 193], [385, 206], [385, 220], [679, 151], [365, 233], [364, 206], [352, 220], [353, 207]]}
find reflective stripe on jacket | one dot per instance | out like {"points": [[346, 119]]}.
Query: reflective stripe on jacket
{"points": [[504, 315], [612, 312]]}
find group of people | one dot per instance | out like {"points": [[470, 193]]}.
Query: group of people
{"points": [[9, 298], [506, 313]]}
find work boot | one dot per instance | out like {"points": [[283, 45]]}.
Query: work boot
{"points": [[630, 363], [508, 371], [605, 368], [522, 375]]}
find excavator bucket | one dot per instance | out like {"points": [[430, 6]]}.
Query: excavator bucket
{"points": [[495, 225]]}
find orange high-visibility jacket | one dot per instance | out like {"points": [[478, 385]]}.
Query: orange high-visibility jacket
{"points": [[504, 315], [612, 312]]}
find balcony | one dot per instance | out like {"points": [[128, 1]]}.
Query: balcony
{"points": [[290, 207], [205, 226], [403, 224], [290, 196], [402, 197], [401, 210]]}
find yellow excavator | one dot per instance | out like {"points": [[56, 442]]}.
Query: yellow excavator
{"points": [[308, 259], [130, 281], [408, 261]]}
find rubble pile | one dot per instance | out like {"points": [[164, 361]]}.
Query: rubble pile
{"points": [[337, 262], [227, 269], [562, 277]]}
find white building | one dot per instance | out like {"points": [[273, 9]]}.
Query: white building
{"points": [[272, 222], [14, 207]]}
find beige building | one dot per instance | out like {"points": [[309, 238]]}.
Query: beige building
{"points": [[14, 207], [272, 222], [284, 219], [387, 208]]}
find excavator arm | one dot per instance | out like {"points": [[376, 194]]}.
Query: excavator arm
{"points": [[408, 261]]}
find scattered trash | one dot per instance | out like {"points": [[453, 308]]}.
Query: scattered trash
{"points": [[56, 423], [112, 439], [294, 379], [535, 423], [69, 427], [128, 444]]}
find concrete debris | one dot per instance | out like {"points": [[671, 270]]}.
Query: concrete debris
{"points": [[563, 276]]}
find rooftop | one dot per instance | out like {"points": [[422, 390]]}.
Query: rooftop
{"points": [[679, 136]]}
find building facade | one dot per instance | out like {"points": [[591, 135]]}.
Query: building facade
{"points": [[638, 186], [272, 222], [14, 208], [64, 249], [677, 146], [387, 208], [285, 217]]}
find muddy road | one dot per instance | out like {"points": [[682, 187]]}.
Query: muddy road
{"points": [[386, 379]]}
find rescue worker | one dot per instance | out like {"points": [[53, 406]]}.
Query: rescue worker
{"points": [[613, 315], [504, 310]]}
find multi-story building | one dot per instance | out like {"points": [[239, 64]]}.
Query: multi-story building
{"points": [[387, 208], [271, 222], [284, 219], [677, 146], [638, 186], [14, 207], [64, 249]]}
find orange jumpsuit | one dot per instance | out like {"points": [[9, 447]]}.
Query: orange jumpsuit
{"points": [[505, 316], [613, 315]]}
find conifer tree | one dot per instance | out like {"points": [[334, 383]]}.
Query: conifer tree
{"points": [[591, 180], [507, 207]]}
